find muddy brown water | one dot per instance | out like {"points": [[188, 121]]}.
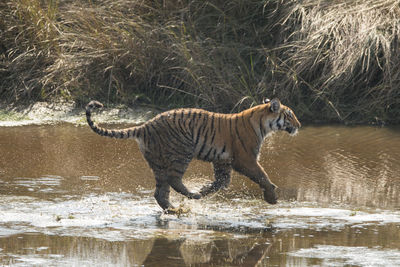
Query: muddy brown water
{"points": [[71, 198]]}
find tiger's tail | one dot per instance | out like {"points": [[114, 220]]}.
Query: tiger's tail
{"points": [[132, 132]]}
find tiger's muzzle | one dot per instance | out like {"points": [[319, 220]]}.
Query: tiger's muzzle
{"points": [[291, 130]]}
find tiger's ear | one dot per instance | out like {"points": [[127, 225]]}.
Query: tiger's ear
{"points": [[275, 105], [266, 100]]}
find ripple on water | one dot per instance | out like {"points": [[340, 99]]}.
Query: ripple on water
{"points": [[90, 178], [43, 184]]}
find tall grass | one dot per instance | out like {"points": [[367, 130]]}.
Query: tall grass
{"points": [[329, 60], [346, 55]]}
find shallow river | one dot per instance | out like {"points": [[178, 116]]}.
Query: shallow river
{"points": [[71, 198]]}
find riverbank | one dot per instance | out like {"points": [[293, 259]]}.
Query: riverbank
{"points": [[60, 111], [41, 113], [331, 61]]}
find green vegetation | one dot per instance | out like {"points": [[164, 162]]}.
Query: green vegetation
{"points": [[11, 116], [329, 60]]}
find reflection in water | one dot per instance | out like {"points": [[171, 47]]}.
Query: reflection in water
{"points": [[70, 197], [102, 253], [36, 249], [305, 247], [196, 251]]}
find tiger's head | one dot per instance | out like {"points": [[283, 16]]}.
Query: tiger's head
{"points": [[284, 118]]}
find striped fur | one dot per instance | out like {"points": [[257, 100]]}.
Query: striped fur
{"points": [[172, 139]]}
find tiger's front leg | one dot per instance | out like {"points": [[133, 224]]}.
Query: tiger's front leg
{"points": [[222, 173], [256, 173]]}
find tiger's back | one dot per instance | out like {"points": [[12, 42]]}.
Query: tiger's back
{"points": [[172, 139], [195, 133]]}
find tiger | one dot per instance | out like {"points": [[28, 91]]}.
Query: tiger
{"points": [[172, 139]]}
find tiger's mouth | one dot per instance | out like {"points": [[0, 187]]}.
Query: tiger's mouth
{"points": [[291, 130]]}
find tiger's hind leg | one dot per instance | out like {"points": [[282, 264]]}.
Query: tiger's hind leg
{"points": [[162, 191], [175, 173], [162, 194], [222, 173], [175, 181]]}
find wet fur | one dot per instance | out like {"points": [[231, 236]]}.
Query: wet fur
{"points": [[172, 139]]}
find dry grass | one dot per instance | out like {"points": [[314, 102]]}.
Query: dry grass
{"points": [[345, 53], [330, 60]]}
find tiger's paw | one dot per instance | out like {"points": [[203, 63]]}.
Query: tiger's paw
{"points": [[270, 196], [195, 196], [177, 211]]}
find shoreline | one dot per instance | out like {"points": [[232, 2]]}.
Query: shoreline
{"points": [[44, 113]]}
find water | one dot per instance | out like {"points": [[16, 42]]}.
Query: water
{"points": [[71, 198]]}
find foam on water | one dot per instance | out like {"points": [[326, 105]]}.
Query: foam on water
{"points": [[118, 216], [7, 232], [126, 217], [86, 216], [329, 217], [341, 255]]}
